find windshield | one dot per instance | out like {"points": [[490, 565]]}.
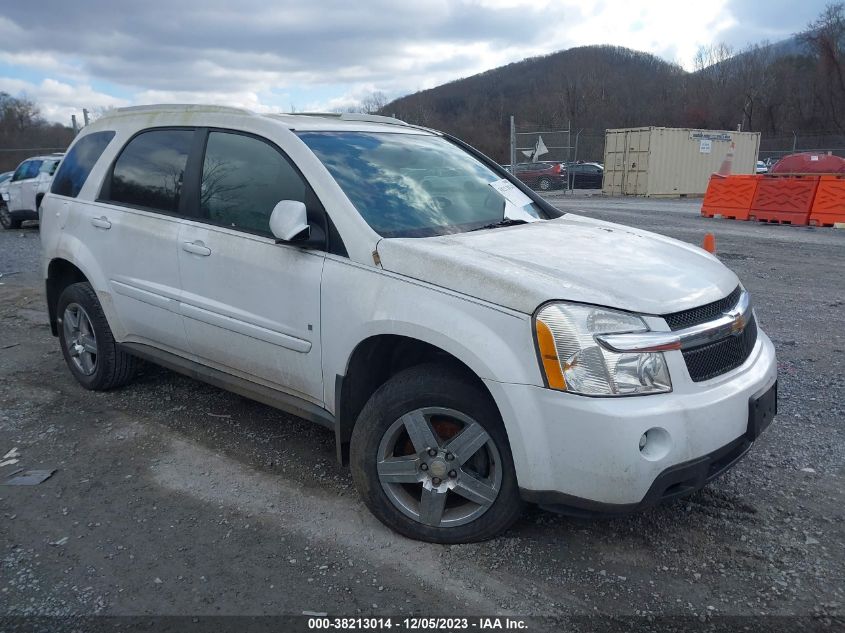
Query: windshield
{"points": [[410, 185]]}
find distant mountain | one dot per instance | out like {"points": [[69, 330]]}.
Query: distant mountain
{"points": [[792, 46], [601, 87], [593, 86]]}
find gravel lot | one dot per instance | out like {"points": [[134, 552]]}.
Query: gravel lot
{"points": [[173, 497]]}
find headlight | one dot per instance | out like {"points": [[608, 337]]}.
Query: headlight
{"points": [[573, 361]]}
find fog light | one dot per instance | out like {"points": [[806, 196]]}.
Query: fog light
{"points": [[655, 444]]}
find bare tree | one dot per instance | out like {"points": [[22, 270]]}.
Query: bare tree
{"points": [[374, 103]]}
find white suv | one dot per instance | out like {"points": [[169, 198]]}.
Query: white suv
{"points": [[23, 193], [469, 344]]}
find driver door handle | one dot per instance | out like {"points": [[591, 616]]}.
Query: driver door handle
{"points": [[197, 248], [101, 223]]}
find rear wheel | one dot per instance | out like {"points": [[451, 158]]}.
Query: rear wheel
{"points": [[87, 343], [431, 459], [6, 220], [545, 184]]}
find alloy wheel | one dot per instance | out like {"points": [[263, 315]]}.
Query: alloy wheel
{"points": [[439, 467], [80, 339]]}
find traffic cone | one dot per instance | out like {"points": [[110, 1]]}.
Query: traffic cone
{"points": [[709, 244]]}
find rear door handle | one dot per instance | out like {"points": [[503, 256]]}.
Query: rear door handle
{"points": [[101, 222], [197, 248]]}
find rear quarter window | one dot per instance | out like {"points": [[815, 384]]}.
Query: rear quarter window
{"points": [[150, 170], [79, 162]]}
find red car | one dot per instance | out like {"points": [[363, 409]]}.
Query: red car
{"points": [[542, 176]]}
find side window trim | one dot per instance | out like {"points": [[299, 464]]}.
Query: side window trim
{"points": [[104, 196], [189, 204], [193, 176], [203, 217]]}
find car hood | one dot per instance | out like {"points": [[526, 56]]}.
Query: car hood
{"points": [[571, 258]]}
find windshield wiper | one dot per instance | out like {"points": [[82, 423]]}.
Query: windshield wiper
{"points": [[500, 223]]}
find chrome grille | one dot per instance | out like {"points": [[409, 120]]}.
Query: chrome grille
{"points": [[702, 314], [714, 359]]}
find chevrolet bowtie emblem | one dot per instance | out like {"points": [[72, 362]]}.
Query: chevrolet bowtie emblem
{"points": [[739, 321]]}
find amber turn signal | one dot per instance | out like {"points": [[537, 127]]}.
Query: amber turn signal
{"points": [[548, 355]]}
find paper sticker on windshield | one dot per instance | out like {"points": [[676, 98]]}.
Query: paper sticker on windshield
{"points": [[510, 192]]}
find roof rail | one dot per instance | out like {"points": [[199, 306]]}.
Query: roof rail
{"points": [[169, 107], [373, 118], [354, 116]]}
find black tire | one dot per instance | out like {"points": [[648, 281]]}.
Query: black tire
{"points": [[6, 220], [112, 367], [432, 386], [544, 184]]}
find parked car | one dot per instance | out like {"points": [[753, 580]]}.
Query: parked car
{"points": [[471, 346], [585, 175], [24, 191], [5, 177], [543, 176], [762, 167], [4, 191]]}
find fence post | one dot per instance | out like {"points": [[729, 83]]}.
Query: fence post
{"points": [[513, 146], [85, 116], [74, 124]]}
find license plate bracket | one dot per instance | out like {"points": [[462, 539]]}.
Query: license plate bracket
{"points": [[761, 412]]}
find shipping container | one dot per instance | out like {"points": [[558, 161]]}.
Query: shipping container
{"points": [[672, 162]]}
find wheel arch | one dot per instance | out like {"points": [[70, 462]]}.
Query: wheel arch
{"points": [[60, 274], [375, 360]]}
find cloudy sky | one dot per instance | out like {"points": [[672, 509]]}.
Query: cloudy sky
{"points": [[280, 54]]}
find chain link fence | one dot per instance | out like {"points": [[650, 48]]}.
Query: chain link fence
{"points": [[11, 157], [773, 148]]}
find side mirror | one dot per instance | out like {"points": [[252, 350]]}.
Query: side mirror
{"points": [[289, 220]]}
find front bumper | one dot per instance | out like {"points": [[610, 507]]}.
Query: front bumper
{"points": [[582, 454], [674, 482], [23, 215]]}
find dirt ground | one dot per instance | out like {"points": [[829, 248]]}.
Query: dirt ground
{"points": [[171, 497]]}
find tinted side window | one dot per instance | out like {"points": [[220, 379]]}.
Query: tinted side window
{"points": [[32, 169], [79, 162], [242, 180], [20, 172], [151, 168]]}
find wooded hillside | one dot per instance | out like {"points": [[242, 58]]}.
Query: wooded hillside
{"points": [[798, 85], [23, 133]]}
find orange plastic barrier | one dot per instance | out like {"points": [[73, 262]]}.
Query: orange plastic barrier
{"points": [[829, 203], [784, 199], [729, 197]]}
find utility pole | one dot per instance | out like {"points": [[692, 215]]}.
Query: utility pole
{"points": [[85, 116], [513, 145], [577, 134]]}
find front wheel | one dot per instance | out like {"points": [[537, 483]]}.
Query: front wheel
{"points": [[6, 220], [431, 460]]}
